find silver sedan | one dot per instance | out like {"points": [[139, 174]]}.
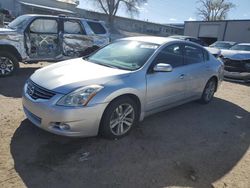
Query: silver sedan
{"points": [[110, 91]]}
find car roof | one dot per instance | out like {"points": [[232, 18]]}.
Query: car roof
{"points": [[61, 16], [151, 39]]}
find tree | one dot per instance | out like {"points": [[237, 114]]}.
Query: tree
{"points": [[110, 7], [211, 10]]}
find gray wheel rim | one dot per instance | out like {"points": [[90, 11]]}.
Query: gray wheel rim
{"points": [[122, 119], [209, 91], [6, 66]]}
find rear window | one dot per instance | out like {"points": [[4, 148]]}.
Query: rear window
{"points": [[97, 28]]}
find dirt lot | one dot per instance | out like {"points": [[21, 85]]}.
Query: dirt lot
{"points": [[189, 146]]}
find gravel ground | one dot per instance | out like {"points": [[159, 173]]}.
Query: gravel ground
{"points": [[192, 145]]}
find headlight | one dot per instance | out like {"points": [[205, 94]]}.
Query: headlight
{"points": [[79, 97]]}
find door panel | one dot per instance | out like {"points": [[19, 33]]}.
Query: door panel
{"points": [[42, 39], [75, 41], [197, 69], [165, 88]]}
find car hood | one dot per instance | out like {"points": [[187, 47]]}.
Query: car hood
{"points": [[6, 31], [236, 54], [69, 75]]}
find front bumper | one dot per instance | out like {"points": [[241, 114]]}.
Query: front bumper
{"points": [[237, 76], [80, 121]]}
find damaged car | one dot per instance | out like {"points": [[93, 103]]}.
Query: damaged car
{"points": [[237, 62], [33, 38]]}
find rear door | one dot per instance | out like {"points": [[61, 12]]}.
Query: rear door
{"points": [[75, 42], [99, 33], [197, 68], [165, 88]]}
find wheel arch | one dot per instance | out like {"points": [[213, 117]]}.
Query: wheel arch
{"points": [[11, 49], [132, 96]]}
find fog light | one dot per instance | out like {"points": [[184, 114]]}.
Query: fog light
{"points": [[64, 126], [60, 125]]}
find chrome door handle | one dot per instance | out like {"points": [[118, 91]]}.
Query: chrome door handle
{"points": [[182, 76]]}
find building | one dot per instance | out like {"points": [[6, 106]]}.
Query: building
{"points": [[54, 7], [211, 31], [133, 25]]}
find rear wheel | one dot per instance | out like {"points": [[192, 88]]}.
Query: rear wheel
{"points": [[119, 118], [8, 64], [209, 91]]}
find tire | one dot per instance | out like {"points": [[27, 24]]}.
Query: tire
{"points": [[115, 123], [208, 92], [8, 64]]}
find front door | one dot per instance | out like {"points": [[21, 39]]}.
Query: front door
{"points": [[42, 39], [165, 88]]}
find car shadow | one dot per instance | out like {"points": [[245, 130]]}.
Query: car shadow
{"points": [[192, 145], [12, 86]]}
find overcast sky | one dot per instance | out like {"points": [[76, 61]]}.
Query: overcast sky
{"points": [[176, 11]]}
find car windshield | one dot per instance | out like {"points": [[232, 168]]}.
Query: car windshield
{"points": [[241, 47], [18, 22], [124, 54]]}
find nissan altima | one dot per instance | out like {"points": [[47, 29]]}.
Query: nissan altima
{"points": [[110, 91]]}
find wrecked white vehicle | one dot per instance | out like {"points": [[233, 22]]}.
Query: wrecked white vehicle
{"points": [[237, 62], [33, 38]]}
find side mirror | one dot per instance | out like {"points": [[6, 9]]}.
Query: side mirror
{"points": [[162, 67]]}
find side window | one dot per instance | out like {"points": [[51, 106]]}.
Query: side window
{"points": [[44, 26], [193, 54], [72, 27], [171, 55], [97, 28]]}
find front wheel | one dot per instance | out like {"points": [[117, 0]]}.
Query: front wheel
{"points": [[119, 118], [8, 64], [209, 91]]}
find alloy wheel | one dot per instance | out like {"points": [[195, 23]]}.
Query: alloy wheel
{"points": [[210, 90], [122, 119], [6, 66]]}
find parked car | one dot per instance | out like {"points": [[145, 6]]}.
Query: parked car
{"points": [[120, 84], [189, 38], [237, 62], [223, 44], [33, 38]]}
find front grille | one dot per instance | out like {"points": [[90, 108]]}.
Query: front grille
{"points": [[37, 92], [235, 65]]}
